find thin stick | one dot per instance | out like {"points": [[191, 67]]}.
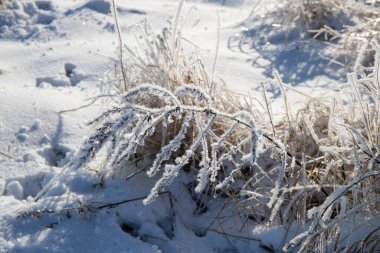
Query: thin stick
{"points": [[7, 156], [135, 173], [108, 205], [112, 205], [228, 234], [78, 108]]}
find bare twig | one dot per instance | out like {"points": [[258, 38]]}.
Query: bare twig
{"points": [[7, 156]]}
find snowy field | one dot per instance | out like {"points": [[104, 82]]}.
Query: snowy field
{"points": [[59, 69]]}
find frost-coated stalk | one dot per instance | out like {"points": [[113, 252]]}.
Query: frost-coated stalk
{"points": [[138, 139], [375, 45], [376, 82], [311, 130], [204, 172], [197, 93], [175, 25], [96, 141], [170, 148], [353, 81], [268, 107], [148, 89], [114, 10], [172, 170], [286, 103], [215, 147], [281, 173], [303, 171], [212, 88], [254, 148], [91, 147], [125, 143]]}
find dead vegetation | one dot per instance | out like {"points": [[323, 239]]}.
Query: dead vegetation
{"points": [[319, 167], [343, 25], [318, 170]]}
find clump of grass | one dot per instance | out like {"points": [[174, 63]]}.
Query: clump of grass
{"points": [[338, 180], [161, 60], [320, 167], [344, 25], [157, 60]]}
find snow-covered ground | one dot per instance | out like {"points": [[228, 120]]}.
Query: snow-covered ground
{"points": [[54, 56]]}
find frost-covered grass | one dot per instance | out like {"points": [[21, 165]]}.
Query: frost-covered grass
{"points": [[318, 168], [180, 163], [161, 60], [345, 26], [338, 180]]}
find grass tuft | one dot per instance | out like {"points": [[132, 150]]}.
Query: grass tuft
{"points": [[318, 168]]}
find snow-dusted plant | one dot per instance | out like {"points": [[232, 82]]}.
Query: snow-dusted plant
{"points": [[185, 128], [345, 25], [326, 168], [324, 185], [160, 59], [337, 184], [319, 167]]}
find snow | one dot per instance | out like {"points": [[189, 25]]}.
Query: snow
{"points": [[24, 20], [54, 57], [2, 186], [14, 189]]}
